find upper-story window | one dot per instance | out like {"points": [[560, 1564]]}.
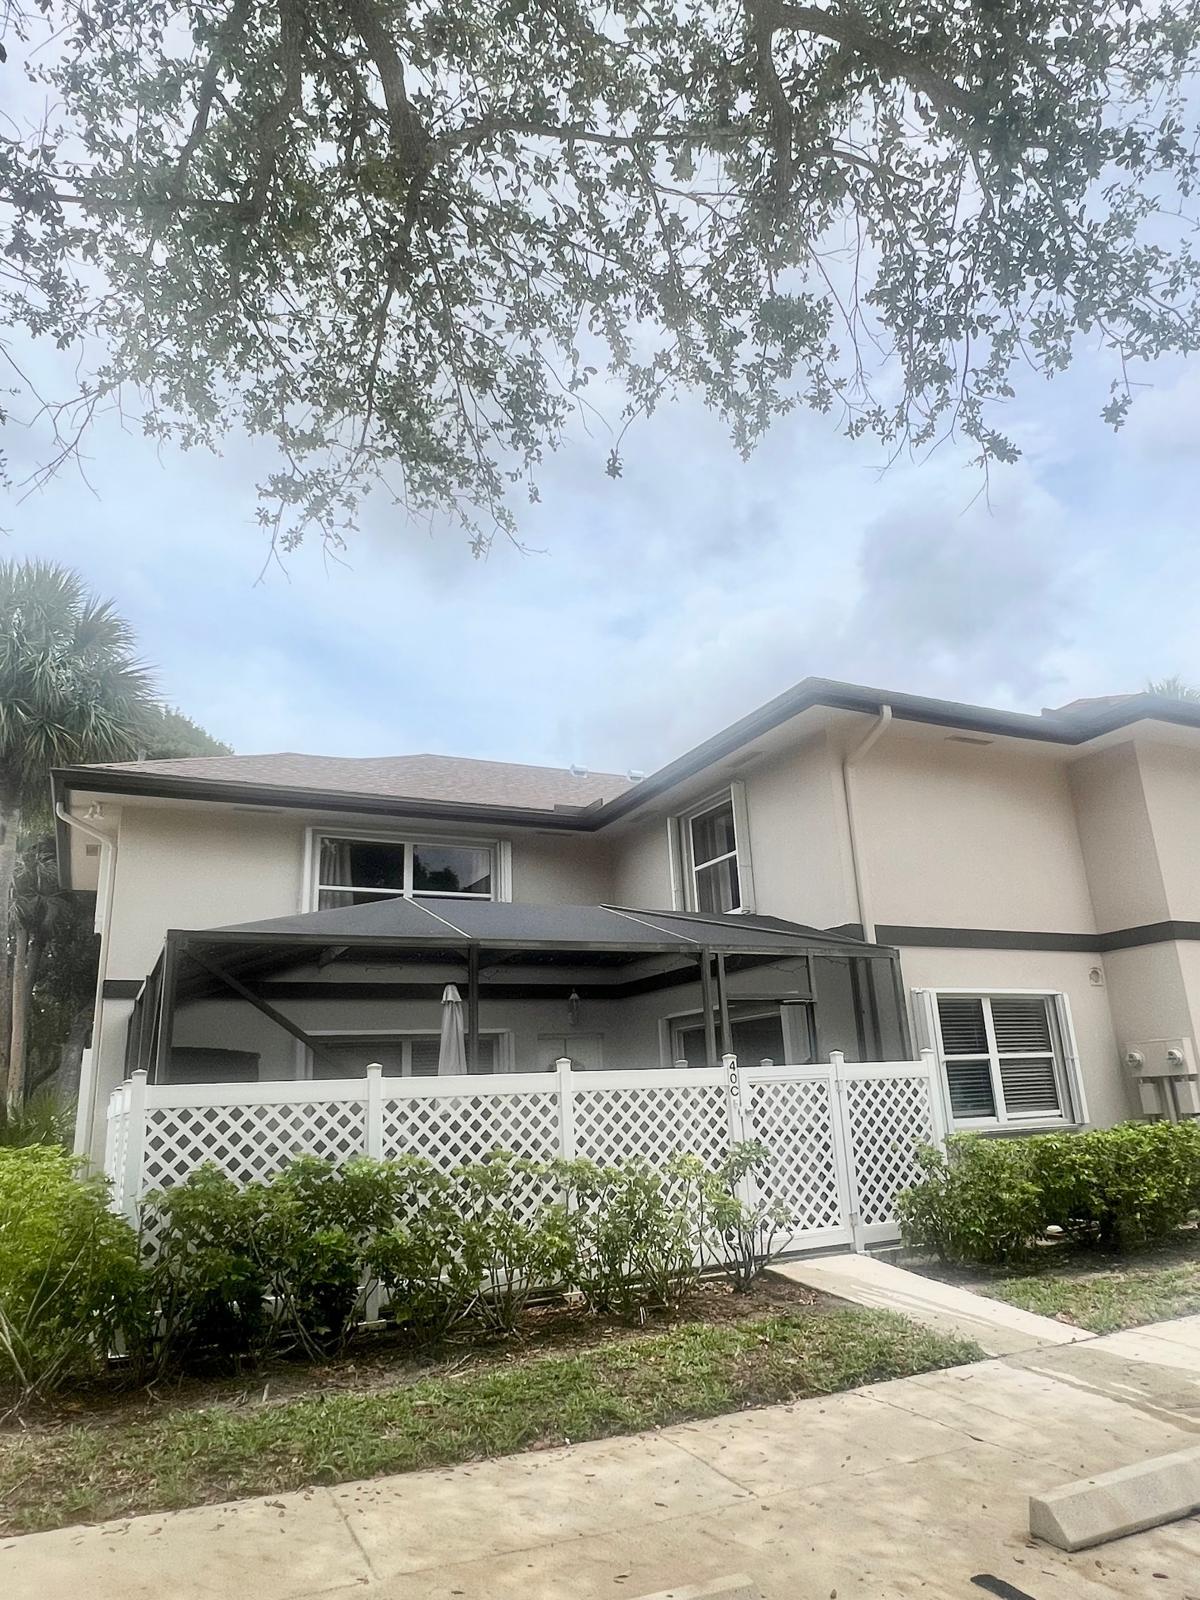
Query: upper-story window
{"points": [[351, 871], [1008, 1058], [714, 855]]}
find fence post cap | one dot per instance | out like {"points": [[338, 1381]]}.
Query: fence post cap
{"points": [[375, 1069]]}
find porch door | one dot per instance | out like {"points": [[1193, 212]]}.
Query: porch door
{"points": [[584, 1050]]}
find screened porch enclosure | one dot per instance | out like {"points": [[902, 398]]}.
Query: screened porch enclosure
{"points": [[324, 994]]}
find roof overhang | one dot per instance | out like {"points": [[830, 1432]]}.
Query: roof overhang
{"points": [[1074, 728]]}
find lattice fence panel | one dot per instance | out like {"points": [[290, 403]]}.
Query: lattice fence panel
{"points": [[613, 1125], [116, 1145], [889, 1119], [794, 1119], [450, 1130], [251, 1141]]}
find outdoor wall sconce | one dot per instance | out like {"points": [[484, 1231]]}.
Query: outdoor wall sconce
{"points": [[573, 1004]]}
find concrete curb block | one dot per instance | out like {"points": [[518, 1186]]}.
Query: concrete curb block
{"points": [[1113, 1504]]}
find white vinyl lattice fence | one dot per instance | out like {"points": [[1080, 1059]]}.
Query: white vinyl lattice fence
{"points": [[842, 1138]]}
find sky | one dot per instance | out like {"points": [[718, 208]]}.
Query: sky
{"points": [[646, 613]]}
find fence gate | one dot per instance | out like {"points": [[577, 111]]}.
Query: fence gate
{"points": [[843, 1140]]}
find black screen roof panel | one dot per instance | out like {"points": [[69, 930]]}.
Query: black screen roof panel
{"points": [[447, 920]]}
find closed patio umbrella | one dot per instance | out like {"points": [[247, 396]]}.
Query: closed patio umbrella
{"points": [[452, 1050]]}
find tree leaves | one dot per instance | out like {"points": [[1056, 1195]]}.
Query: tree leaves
{"points": [[396, 242]]}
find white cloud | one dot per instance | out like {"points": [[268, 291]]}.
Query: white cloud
{"points": [[667, 603]]}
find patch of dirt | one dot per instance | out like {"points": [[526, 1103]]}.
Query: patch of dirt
{"points": [[384, 1359]]}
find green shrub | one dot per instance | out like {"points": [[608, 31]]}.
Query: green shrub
{"points": [[635, 1231], [278, 1265], [421, 1259], [1147, 1179], [742, 1236], [70, 1281], [515, 1238], [990, 1200], [208, 1286], [978, 1202]]}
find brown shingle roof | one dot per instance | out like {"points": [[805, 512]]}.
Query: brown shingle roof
{"points": [[1087, 705], [455, 779]]}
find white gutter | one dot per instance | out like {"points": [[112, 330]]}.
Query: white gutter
{"points": [[849, 762], [86, 1110]]}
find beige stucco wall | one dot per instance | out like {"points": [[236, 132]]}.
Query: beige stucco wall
{"points": [[798, 841], [179, 868], [1054, 972], [641, 864], [1117, 839], [798, 837], [1171, 782], [557, 869], [1151, 990], [967, 836], [205, 868]]}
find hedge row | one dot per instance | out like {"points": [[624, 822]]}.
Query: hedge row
{"points": [[991, 1200], [226, 1274]]}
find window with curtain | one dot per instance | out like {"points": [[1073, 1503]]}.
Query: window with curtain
{"points": [[351, 872], [1004, 1058], [709, 837]]}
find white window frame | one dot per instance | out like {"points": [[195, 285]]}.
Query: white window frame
{"points": [[501, 853], [685, 869], [505, 1045], [1073, 1111]]}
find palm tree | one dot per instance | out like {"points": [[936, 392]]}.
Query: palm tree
{"points": [[39, 908], [70, 690], [1173, 688]]}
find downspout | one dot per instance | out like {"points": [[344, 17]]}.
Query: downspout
{"points": [[857, 859], [86, 1112]]}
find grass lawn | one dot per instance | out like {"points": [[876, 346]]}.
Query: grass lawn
{"points": [[1106, 1301], [54, 1475]]}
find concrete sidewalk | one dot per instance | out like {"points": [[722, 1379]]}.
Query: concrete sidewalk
{"points": [[997, 1328], [910, 1488]]}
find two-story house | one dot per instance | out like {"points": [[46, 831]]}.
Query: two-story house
{"points": [[845, 868]]}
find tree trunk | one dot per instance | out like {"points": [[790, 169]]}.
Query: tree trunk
{"points": [[10, 822], [26, 955], [66, 1078]]}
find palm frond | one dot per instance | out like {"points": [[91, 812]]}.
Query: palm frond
{"points": [[71, 687]]}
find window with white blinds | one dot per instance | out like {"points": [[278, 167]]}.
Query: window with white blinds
{"points": [[1003, 1057]]}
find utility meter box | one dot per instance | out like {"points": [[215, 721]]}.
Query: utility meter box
{"points": [[1165, 1073], [1161, 1058]]}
